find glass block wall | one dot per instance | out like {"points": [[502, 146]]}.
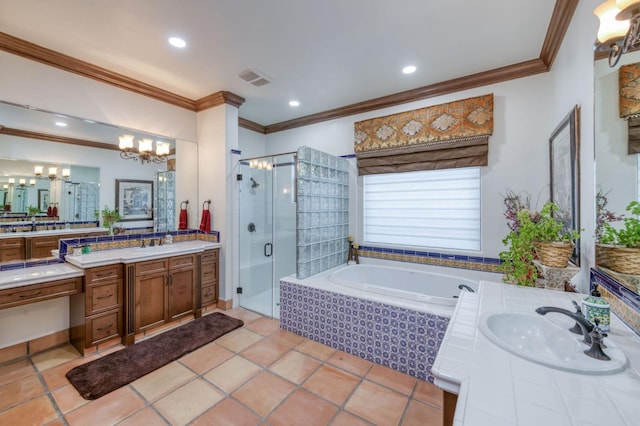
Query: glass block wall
{"points": [[322, 211], [87, 201], [164, 218]]}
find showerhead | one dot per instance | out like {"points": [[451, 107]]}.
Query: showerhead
{"points": [[254, 184]]}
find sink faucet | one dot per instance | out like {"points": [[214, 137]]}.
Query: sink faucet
{"points": [[582, 322], [466, 287]]}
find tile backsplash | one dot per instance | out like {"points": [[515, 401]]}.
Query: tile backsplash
{"points": [[322, 211]]}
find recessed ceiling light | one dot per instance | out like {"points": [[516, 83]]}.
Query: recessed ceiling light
{"points": [[409, 69], [177, 42], [61, 124], [294, 103]]}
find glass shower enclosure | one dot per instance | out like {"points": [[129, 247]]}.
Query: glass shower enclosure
{"points": [[267, 230]]}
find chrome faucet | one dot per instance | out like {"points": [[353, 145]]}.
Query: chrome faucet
{"points": [[466, 287], [582, 322]]}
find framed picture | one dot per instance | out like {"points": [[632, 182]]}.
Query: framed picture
{"points": [[564, 159], [134, 199], [43, 199]]}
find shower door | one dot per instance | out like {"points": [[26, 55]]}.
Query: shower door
{"points": [[267, 230]]}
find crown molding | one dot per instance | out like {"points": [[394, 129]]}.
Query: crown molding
{"points": [[54, 138], [558, 26], [218, 98], [250, 125]]}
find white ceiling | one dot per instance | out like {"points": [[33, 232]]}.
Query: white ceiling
{"points": [[325, 53]]}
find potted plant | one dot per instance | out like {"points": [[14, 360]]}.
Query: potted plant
{"points": [[109, 217], [619, 249], [33, 210], [553, 243]]}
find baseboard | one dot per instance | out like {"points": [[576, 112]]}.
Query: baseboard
{"points": [[34, 346]]}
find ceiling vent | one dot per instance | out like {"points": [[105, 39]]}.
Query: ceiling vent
{"points": [[254, 77]]}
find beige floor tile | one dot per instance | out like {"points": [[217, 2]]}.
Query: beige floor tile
{"points": [[287, 337], [419, 414], [332, 384], [377, 404], [163, 380], [347, 419], [394, 379], [15, 370], [264, 326], [303, 408], [109, 409], [188, 402], [68, 398], [239, 340], [315, 349], [145, 417], [227, 413], [206, 358], [55, 377], [263, 393], [351, 363], [429, 393], [265, 352], [229, 375], [20, 391], [38, 411], [243, 314], [295, 366], [54, 357]]}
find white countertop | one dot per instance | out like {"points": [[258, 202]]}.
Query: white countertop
{"points": [[60, 232], [495, 387], [37, 274], [137, 254]]}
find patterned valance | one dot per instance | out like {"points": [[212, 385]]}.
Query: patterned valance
{"points": [[449, 135], [629, 88]]}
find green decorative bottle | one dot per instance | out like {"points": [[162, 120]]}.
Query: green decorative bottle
{"points": [[595, 306]]}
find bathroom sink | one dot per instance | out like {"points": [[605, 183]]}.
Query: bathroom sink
{"points": [[154, 249], [535, 338]]}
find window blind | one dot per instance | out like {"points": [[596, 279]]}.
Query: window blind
{"points": [[433, 208]]}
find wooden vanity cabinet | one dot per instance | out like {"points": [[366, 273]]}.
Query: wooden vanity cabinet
{"points": [[96, 314], [39, 247], [209, 277], [163, 291], [38, 292], [12, 249]]}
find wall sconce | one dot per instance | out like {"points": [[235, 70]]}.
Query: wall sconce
{"points": [[144, 153], [619, 30], [5, 186], [32, 182], [37, 170], [22, 183], [12, 181], [53, 173], [66, 174]]}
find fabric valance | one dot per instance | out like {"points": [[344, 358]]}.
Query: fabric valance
{"points": [[451, 135], [629, 90], [633, 146]]}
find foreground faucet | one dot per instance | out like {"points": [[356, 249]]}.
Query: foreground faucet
{"points": [[582, 322], [466, 287]]}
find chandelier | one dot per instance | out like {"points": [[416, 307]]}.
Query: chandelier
{"points": [[144, 153], [619, 30]]}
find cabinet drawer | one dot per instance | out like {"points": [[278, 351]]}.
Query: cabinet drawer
{"points": [[12, 242], [209, 256], [9, 254], [103, 273], [151, 267], [103, 327], [209, 272], [102, 297], [209, 294], [182, 261], [37, 292]]}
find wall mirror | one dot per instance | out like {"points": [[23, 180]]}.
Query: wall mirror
{"points": [[617, 171], [77, 196]]}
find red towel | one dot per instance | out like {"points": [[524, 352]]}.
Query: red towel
{"points": [[205, 223], [49, 211], [54, 212], [182, 224]]}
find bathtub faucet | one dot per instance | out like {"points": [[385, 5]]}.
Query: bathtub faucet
{"points": [[466, 287]]}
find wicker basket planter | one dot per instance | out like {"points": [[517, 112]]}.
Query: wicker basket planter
{"points": [[554, 254], [620, 259]]}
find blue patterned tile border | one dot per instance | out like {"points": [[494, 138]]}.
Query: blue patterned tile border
{"points": [[624, 302], [477, 263], [236, 152], [30, 263], [399, 338]]}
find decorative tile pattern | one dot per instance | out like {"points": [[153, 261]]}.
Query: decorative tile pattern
{"points": [[624, 302], [322, 211], [399, 338]]}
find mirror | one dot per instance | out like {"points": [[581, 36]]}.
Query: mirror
{"points": [[93, 172], [617, 171]]}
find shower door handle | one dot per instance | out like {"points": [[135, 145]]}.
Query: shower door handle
{"points": [[268, 249]]}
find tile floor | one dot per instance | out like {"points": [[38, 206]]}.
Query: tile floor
{"points": [[255, 375]]}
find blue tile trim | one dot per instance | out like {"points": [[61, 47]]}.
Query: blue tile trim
{"points": [[435, 255], [12, 266], [348, 156], [236, 152], [630, 298]]}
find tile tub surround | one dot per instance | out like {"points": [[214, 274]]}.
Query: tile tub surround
{"points": [[495, 387], [399, 338]]}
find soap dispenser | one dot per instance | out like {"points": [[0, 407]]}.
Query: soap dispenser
{"points": [[595, 306]]}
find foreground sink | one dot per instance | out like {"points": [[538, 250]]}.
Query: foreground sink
{"points": [[535, 338]]}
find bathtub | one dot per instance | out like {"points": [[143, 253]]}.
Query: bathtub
{"points": [[378, 311]]}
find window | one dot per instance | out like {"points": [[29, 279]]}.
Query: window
{"points": [[433, 208]]}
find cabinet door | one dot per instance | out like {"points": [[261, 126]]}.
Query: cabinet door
{"points": [[150, 301], [181, 293], [42, 246]]}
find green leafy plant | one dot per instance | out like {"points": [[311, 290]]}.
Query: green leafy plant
{"points": [[109, 217], [33, 210], [629, 234], [550, 229]]}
